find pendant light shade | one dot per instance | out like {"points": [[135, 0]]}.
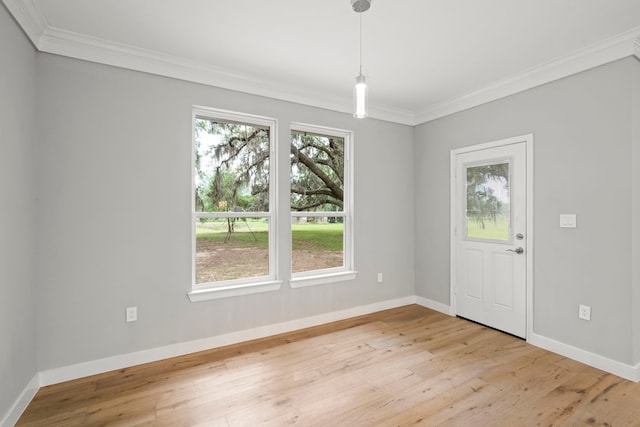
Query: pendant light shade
{"points": [[360, 97]]}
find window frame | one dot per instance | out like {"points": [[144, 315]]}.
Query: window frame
{"points": [[244, 286], [346, 271]]}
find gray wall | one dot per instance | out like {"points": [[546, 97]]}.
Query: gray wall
{"points": [[583, 128], [113, 151], [17, 121]]}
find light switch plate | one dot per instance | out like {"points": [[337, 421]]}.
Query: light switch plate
{"points": [[568, 221]]}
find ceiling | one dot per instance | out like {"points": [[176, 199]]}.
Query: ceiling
{"points": [[423, 58]]}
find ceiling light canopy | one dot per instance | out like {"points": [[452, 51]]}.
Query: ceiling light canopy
{"points": [[360, 5]]}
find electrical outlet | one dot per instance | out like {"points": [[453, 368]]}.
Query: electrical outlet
{"points": [[132, 314], [379, 277], [584, 312]]}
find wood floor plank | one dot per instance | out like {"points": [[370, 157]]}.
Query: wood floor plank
{"points": [[399, 367]]}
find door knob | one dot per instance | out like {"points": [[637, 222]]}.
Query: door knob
{"points": [[516, 250]]}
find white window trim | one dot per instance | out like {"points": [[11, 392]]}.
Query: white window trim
{"points": [[322, 277], [347, 271], [246, 286], [234, 290]]}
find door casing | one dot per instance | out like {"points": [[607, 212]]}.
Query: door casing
{"points": [[529, 242]]}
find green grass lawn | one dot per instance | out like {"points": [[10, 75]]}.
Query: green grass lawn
{"points": [[319, 237], [216, 231], [314, 236], [498, 230]]}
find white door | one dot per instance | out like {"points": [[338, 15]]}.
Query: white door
{"points": [[490, 210]]}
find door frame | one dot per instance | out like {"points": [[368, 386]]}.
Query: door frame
{"points": [[528, 141]]}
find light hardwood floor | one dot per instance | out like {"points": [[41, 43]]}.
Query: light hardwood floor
{"points": [[406, 366]]}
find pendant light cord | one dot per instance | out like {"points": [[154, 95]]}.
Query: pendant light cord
{"points": [[360, 43]]}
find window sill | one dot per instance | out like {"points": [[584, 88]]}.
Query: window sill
{"points": [[322, 279], [233, 290]]}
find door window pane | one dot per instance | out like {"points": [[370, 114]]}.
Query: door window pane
{"points": [[488, 206]]}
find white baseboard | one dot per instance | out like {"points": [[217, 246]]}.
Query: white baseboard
{"points": [[628, 372], [433, 305], [21, 403], [80, 370]]}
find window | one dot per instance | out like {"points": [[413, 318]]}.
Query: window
{"points": [[320, 194], [234, 209], [233, 227], [488, 206]]}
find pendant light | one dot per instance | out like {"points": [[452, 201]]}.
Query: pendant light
{"points": [[360, 90]]}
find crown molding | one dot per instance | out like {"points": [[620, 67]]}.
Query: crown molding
{"points": [[29, 17], [387, 113], [603, 52], [80, 46]]}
